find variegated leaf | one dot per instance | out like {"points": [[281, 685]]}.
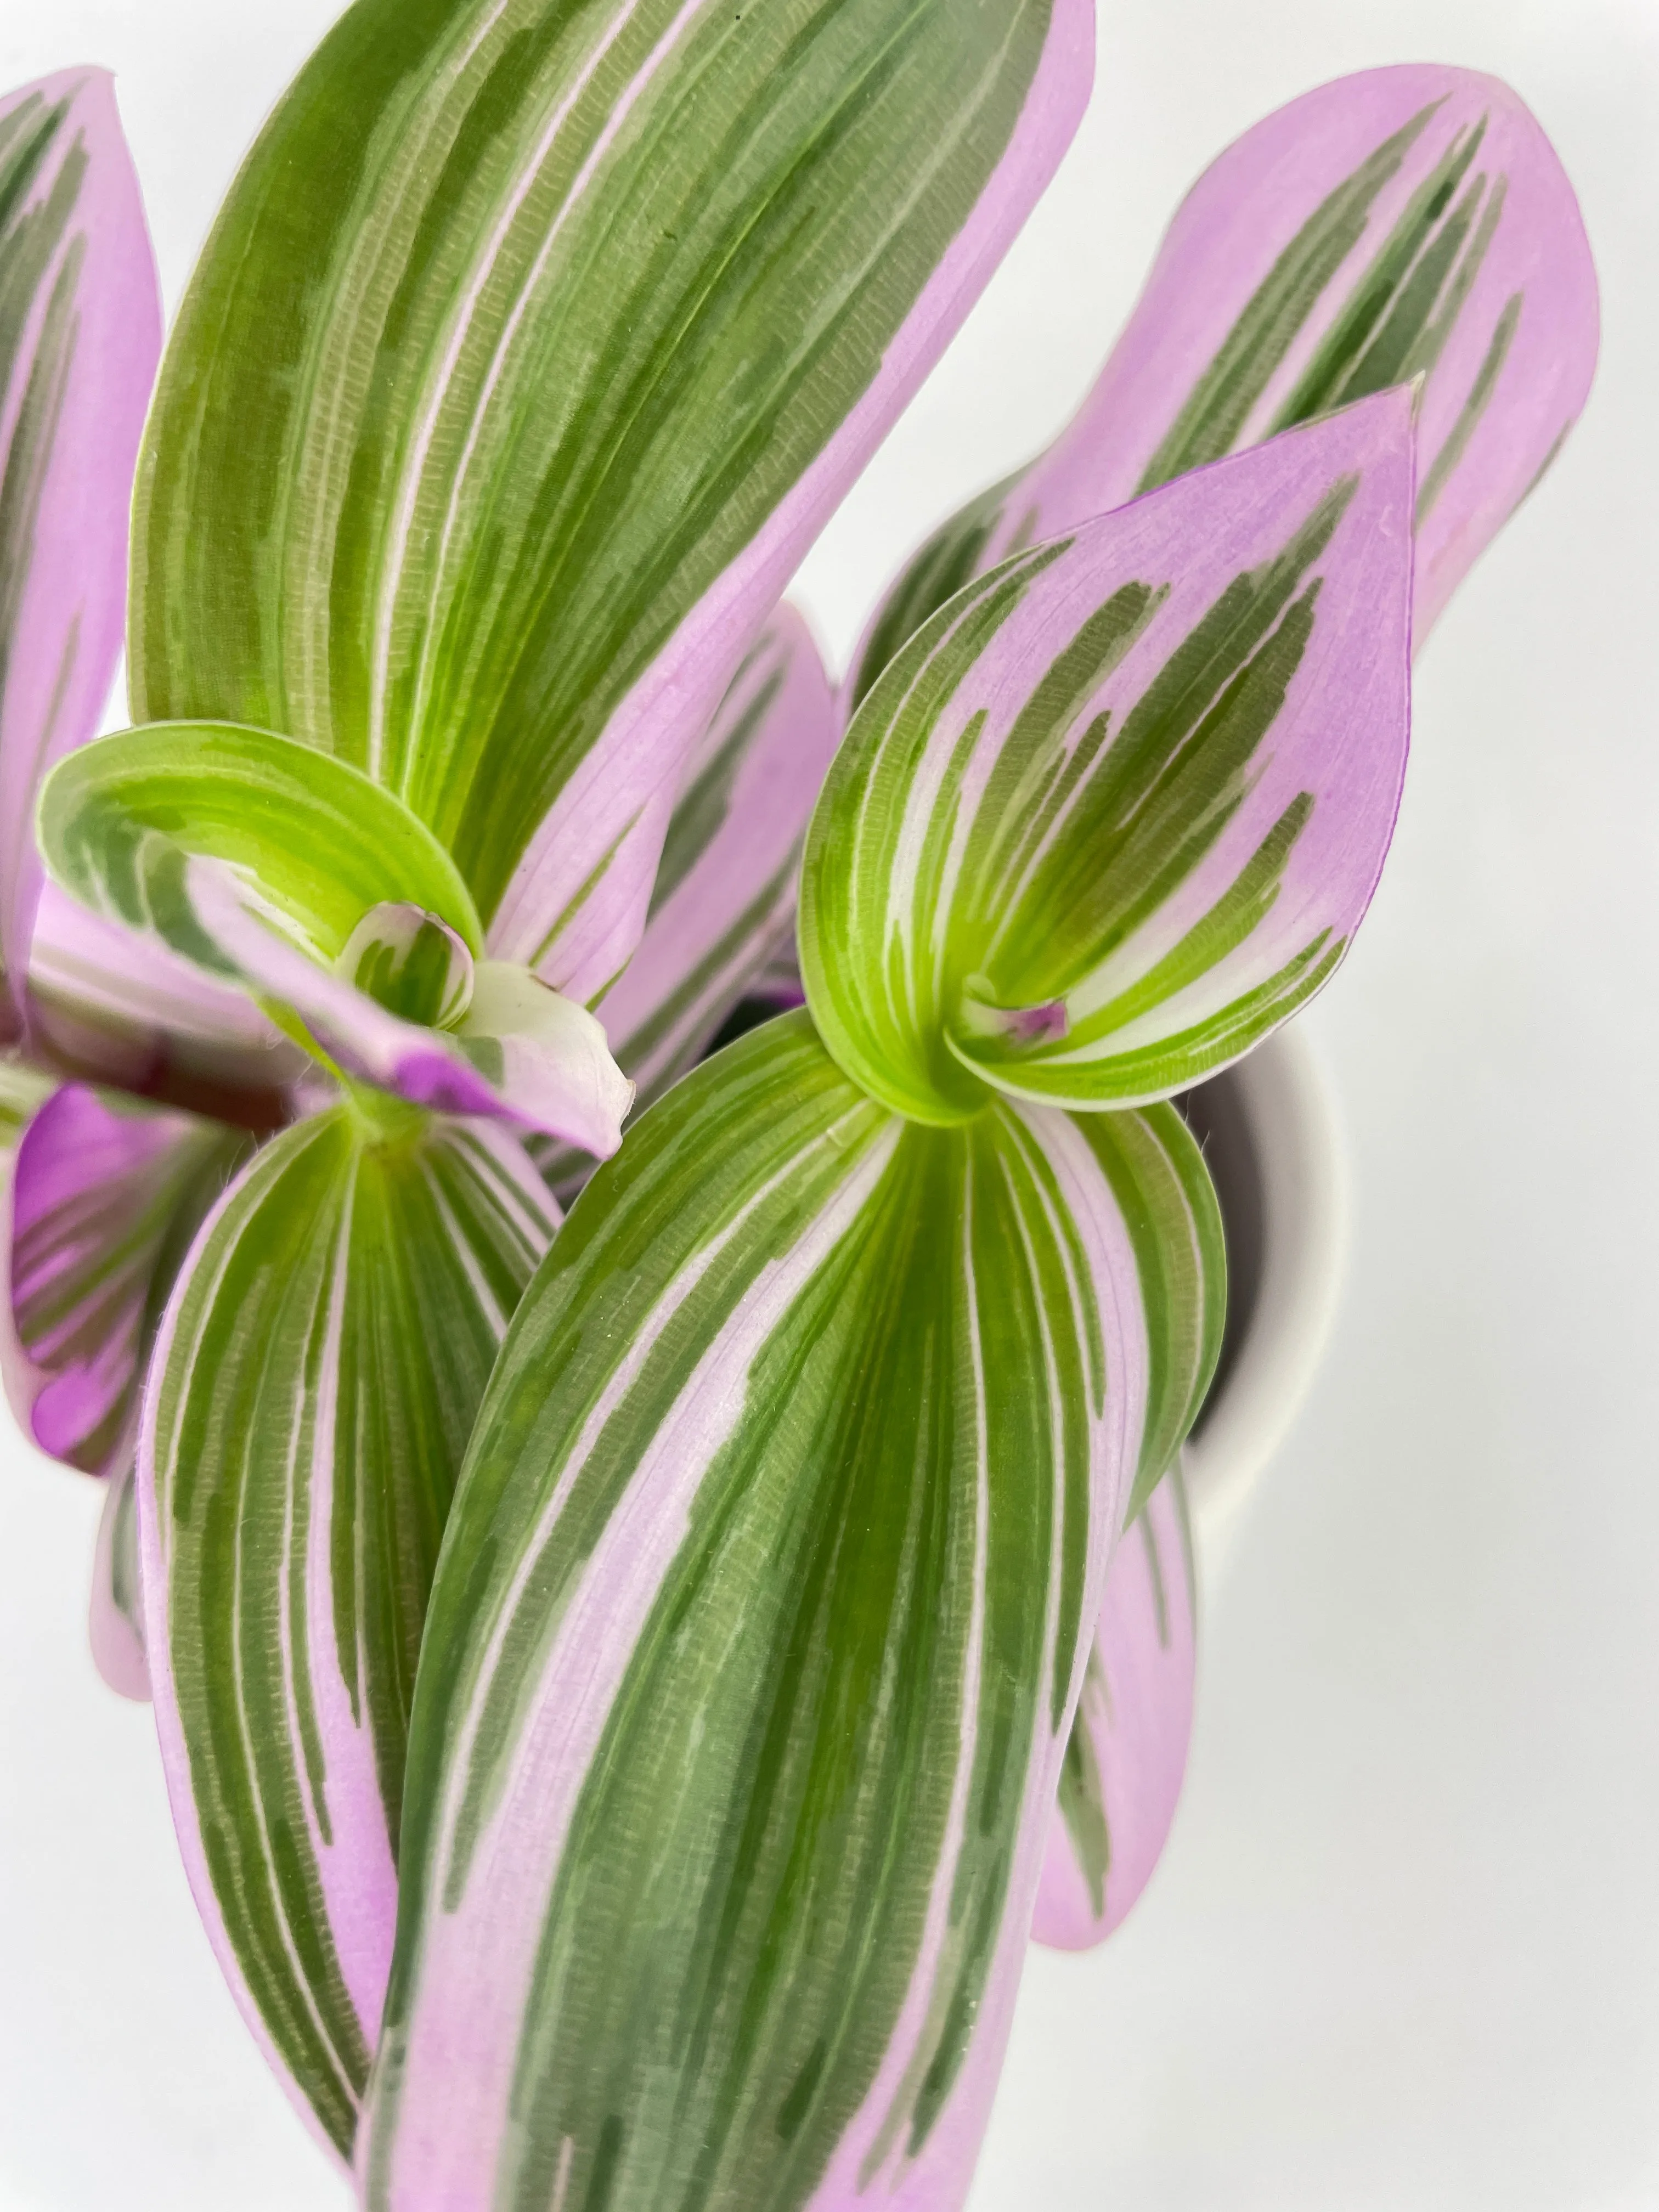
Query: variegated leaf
{"points": [[80, 332], [482, 460], [1127, 1752], [273, 864], [1404, 223], [751, 1658], [725, 894], [1114, 811], [115, 1617], [140, 1015], [106, 1194], [322, 1359]]}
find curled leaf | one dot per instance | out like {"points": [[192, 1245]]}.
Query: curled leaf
{"points": [[583, 325], [1115, 810]]}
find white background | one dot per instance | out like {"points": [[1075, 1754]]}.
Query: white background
{"points": [[1404, 1949]]}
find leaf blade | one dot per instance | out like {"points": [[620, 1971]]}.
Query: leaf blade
{"points": [[1098, 889], [1403, 222], [539, 304], [80, 335], [625, 1820], [323, 1355]]}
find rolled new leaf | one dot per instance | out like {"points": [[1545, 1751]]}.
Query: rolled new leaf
{"points": [[1127, 1753], [271, 865], [725, 894], [751, 1658], [106, 1194], [1403, 224], [582, 323], [80, 333], [1114, 812], [315, 1382]]}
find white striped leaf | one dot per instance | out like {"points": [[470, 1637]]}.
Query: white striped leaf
{"points": [[533, 347], [1114, 811], [274, 865], [1403, 223], [316, 1379], [751, 1658], [80, 332], [1127, 1753], [1127, 1749], [725, 894]]}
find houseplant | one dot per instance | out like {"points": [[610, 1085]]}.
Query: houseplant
{"points": [[322, 1002]]}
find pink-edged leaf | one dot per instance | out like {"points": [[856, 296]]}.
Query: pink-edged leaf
{"points": [[106, 1193], [313, 1388], [115, 1617], [1127, 1753], [725, 894], [522, 1053], [1115, 810], [272, 866], [544, 344], [723, 909], [752, 1657], [80, 334], [1406, 222], [128, 1009]]}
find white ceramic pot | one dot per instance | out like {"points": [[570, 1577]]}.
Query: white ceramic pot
{"points": [[1274, 1143]]}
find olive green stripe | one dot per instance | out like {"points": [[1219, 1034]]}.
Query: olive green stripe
{"points": [[721, 296], [335, 1275]]}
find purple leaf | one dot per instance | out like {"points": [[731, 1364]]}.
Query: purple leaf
{"points": [[80, 335], [1404, 222], [106, 1195], [1127, 1753], [725, 894]]}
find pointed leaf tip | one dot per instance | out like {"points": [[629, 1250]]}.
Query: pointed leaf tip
{"points": [[1115, 810], [581, 327], [1410, 225]]}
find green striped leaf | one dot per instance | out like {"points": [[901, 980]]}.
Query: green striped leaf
{"points": [[1157, 1172], [533, 347], [80, 332], [1127, 1751], [1402, 224], [725, 894], [752, 1655], [289, 872], [322, 1359], [1127, 1755], [1114, 811], [120, 820]]}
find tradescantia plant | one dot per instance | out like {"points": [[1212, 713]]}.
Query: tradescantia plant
{"points": [[626, 1688]]}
